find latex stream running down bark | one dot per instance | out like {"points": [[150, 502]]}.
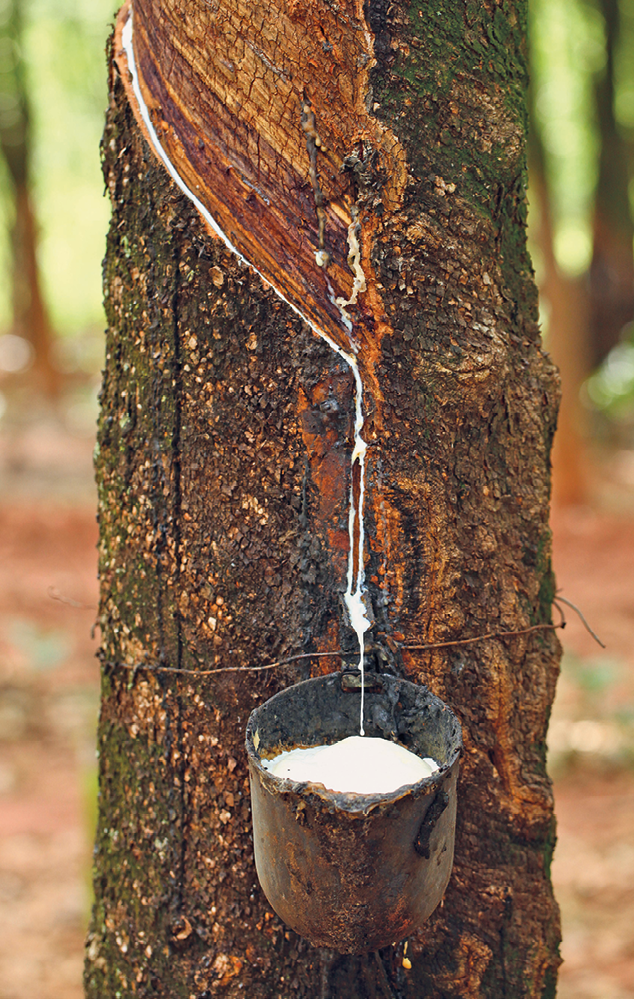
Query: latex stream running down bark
{"points": [[353, 596]]}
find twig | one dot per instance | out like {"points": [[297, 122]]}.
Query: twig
{"points": [[482, 638], [54, 594], [384, 981], [155, 668], [583, 620], [562, 616]]}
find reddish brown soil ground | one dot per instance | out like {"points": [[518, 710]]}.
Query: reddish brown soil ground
{"points": [[592, 757], [48, 706]]}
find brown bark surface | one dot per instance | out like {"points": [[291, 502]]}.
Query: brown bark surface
{"points": [[224, 472]]}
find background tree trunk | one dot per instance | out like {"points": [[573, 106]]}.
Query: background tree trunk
{"points": [[224, 467], [30, 315], [568, 336], [612, 265]]}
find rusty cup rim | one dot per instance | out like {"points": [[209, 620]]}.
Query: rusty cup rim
{"points": [[349, 801]]}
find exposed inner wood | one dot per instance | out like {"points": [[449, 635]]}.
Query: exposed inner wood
{"points": [[261, 123]]}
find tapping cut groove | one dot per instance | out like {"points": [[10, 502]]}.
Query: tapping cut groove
{"points": [[354, 596], [236, 121]]}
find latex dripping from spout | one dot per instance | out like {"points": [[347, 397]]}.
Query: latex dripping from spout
{"points": [[355, 595], [360, 623]]}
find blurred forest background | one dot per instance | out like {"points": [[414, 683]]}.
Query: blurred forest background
{"points": [[53, 220], [53, 215]]}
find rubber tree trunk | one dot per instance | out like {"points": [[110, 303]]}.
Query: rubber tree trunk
{"points": [[224, 462]]}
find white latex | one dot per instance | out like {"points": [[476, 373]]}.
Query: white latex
{"points": [[353, 596], [360, 765]]}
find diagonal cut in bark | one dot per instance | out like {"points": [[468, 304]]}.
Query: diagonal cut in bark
{"points": [[272, 137]]}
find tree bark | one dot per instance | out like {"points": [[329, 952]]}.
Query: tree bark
{"points": [[224, 468]]}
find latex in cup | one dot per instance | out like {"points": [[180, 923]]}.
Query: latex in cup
{"points": [[353, 872]]}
